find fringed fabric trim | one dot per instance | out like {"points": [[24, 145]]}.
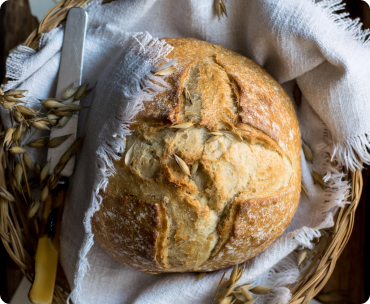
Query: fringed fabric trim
{"points": [[144, 87]]}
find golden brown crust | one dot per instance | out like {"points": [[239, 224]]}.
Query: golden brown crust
{"points": [[243, 195], [125, 224], [250, 228]]}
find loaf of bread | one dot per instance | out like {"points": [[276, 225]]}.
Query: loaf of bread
{"points": [[211, 174]]}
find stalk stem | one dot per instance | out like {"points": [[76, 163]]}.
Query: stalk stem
{"points": [[23, 194], [25, 174], [22, 116], [29, 138], [25, 177], [11, 116]]}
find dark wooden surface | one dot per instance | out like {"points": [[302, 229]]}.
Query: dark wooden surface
{"points": [[351, 277], [16, 23]]}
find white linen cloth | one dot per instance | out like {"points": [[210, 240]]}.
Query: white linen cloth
{"points": [[297, 41]]}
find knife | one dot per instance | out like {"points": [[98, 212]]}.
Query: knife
{"points": [[70, 72], [47, 253]]}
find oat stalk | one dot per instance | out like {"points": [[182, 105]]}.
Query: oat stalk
{"points": [[24, 119], [29, 138], [220, 8], [19, 112], [25, 174], [218, 287]]}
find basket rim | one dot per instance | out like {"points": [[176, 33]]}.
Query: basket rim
{"points": [[326, 251]]}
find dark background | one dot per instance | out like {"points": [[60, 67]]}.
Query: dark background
{"points": [[351, 277]]}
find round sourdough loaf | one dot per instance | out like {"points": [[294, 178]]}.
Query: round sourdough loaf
{"points": [[243, 154]]}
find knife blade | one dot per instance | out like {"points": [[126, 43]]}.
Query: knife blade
{"points": [[70, 72]]}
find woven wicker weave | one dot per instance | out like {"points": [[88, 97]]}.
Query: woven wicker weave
{"points": [[13, 230]]}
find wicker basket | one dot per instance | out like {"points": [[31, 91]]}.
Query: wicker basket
{"points": [[13, 225]]}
